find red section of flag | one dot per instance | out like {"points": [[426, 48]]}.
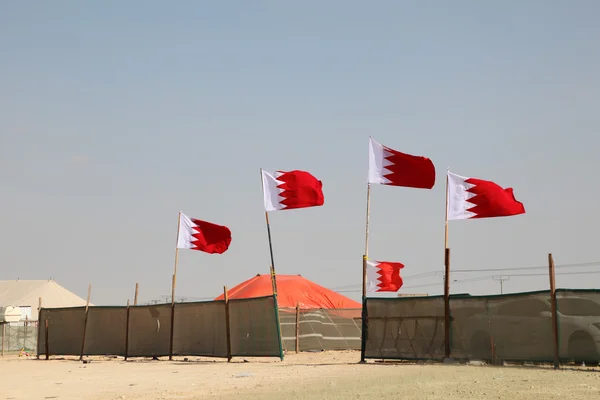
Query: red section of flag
{"points": [[209, 237], [389, 276], [491, 200], [300, 189], [408, 170]]}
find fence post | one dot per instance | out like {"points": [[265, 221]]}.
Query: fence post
{"points": [[37, 342], [554, 312], [172, 319], [26, 324], [227, 323], [447, 348], [87, 307], [364, 315], [135, 297], [3, 335], [127, 331], [46, 330], [297, 327]]}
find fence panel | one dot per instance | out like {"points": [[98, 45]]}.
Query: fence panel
{"points": [[149, 330], [253, 327], [65, 330], [343, 329], [200, 329], [106, 331], [579, 325], [405, 328], [515, 327], [321, 329], [17, 336], [287, 321]]}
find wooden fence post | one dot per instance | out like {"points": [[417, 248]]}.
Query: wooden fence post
{"points": [[127, 331], [135, 298], [554, 310], [46, 330], [227, 323], [297, 327], [87, 307]]}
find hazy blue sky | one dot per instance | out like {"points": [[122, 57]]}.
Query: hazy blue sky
{"points": [[115, 115]]}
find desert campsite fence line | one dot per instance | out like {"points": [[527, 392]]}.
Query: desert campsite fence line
{"points": [[199, 329], [510, 327]]}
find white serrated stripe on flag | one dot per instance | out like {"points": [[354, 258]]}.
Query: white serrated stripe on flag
{"points": [[272, 194], [186, 230], [458, 197], [378, 163], [372, 276]]}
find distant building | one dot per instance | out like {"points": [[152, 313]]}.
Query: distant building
{"points": [[25, 295]]}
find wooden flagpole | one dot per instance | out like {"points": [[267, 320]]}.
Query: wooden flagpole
{"points": [[173, 284], [446, 283], [273, 276], [364, 316], [87, 307]]}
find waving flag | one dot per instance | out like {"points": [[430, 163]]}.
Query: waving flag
{"points": [[289, 190], [470, 198], [195, 234], [391, 167], [384, 276]]}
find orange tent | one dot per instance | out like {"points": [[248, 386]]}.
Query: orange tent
{"points": [[291, 290]]}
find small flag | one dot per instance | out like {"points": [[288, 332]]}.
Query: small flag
{"points": [[384, 276], [293, 189], [390, 167], [195, 234], [470, 198]]}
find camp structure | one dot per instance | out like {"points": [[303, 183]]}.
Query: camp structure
{"points": [[25, 295], [292, 290], [312, 317]]}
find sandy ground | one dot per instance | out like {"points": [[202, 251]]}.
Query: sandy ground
{"points": [[333, 375]]}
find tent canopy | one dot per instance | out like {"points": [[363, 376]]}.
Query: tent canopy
{"points": [[291, 290], [24, 293]]}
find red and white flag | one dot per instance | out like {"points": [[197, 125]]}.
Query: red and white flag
{"points": [[203, 236], [293, 189], [390, 167], [384, 276], [475, 198]]}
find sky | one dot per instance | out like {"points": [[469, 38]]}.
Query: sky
{"points": [[115, 116]]}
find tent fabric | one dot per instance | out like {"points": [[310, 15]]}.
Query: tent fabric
{"points": [[23, 293], [291, 290]]}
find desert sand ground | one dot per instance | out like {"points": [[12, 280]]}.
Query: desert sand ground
{"points": [[331, 375]]}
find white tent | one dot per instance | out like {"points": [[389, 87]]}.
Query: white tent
{"points": [[26, 294]]}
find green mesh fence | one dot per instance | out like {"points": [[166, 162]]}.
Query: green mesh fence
{"points": [[253, 327], [514, 327], [199, 329]]}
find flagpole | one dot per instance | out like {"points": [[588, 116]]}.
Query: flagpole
{"points": [[173, 284], [446, 283], [176, 259], [273, 276], [363, 335]]}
